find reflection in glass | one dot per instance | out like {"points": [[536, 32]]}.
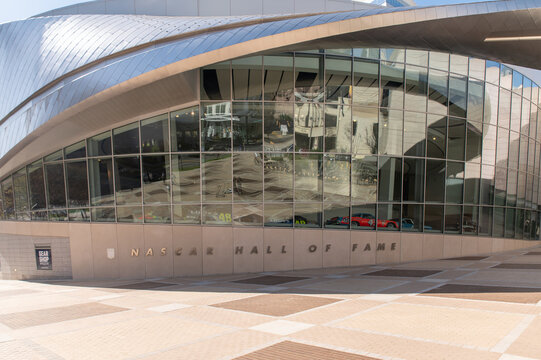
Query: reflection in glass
{"points": [[472, 183], [126, 139], [35, 216], [417, 57], [519, 224], [416, 88], [459, 64], [77, 184], [156, 179], [128, 180], [278, 173], [187, 214], [513, 154], [512, 187], [58, 215], [454, 182], [247, 126], [247, 177], [103, 214], [36, 186], [516, 108], [390, 179], [414, 179], [278, 77], [435, 181], [475, 102], [337, 128], [216, 126], [414, 133], [309, 78], [456, 138], [75, 151], [337, 178], [453, 219], [216, 179], [100, 177], [521, 189], [129, 214], [412, 217], [79, 215], [338, 80], [503, 147], [510, 223], [504, 108], [185, 176], [20, 186], [439, 61], [457, 96], [389, 217], [370, 53], [336, 216], [392, 85], [436, 136], [155, 134], [363, 217], [525, 122], [216, 82], [217, 214], [492, 72], [364, 130], [517, 82], [477, 68], [489, 144], [246, 78], [278, 127], [309, 126], [390, 132], [158, 214], [185, 129], [499, 222], [470, 220], [99, 145], [308, 215], [474, 141], [506, 77], [487, 185], [485, 221], [279, 215], [56, 195], [364, 178], [438, 87], [248, 214], [57, 155], [365, 82], [396, 55], [308, 177]]}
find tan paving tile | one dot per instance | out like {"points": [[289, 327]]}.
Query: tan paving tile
{"points": [[410, 288], [129, 339], [462, 327], [224, 346], [468, 258], [14, 292], [389, 346], [354, 285], [433, 264], [298, 351], [528, 344], [451, 274], [488, 293], [506, 276], [276, 304], [30, 303], [335, 311], [223, 316], [134, 302], [18, 350], [21, 320]]}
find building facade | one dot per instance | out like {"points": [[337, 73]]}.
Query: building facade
{"points": [[180, 146]]}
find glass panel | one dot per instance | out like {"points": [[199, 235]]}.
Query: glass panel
{"points": [[506, 77], [457, 96], [99, 145], [439, 61], [474, 141], [516, 106], [396, 55], [337, 128], [502, 148], [459, 64], [365, 82], [417, 57], [103, 214], [477, 68], [129, 214], [363, 217], [36, 185], [9, 205], [278, 127], [517, 82], [336, 216], [309, 127], [392, 85], [416, 88], [533, 121], [389, 217], [371, 53], [510, 223], [470, 220], [390, 179], [156, 186], [216, 82], [20, 191], [514, 145], [155, 134], [77, 183], [472, 183], [308, 215], [499, 222], [365, 130], [128, 180], [414, 134], [246, 78], [56, 195], [185, 130], [279, 215], [364, 178], [309, 78], [158, 214], [504, 108], [436, 136], [185, 178], [456, 142], [525, 122], [438, 87], [187, 214], [57, 155], [338, 80], [278, 77], [487, 185], [100, 175], [337, 178], [247, 126], [390, 132], [308, 177], [216, 126], [36, 215], [412, 217], [217, 178], [247, 177], [79, 214], [217, 214], [58, 215], [489, 144], [519, 224], [453, 219], [435, 180], [521, 189], [126, 139], [248, 214], [75, 151], [414, 179], [454, 182], [512, 188], [278, 173], [492, 72], [475, 102], [523, 159]]}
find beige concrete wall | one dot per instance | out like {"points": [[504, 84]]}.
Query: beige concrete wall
{"points": [[133, 251]]}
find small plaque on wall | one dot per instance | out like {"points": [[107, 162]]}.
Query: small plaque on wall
{"points": [[44, 260]]}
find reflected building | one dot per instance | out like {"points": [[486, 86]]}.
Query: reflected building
{"points": [[248, 143]]}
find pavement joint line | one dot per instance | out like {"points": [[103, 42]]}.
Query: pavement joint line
{"points": [[472, 309], [340, 301], [48, 354], [514, 357], [105, 297], [254, 348], [513, 335], [332, 322]]}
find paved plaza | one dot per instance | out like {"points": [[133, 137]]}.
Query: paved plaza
{"points": [[463, 308]]}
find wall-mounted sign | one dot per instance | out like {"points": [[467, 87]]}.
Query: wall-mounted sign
{"points": [[44, 260]]}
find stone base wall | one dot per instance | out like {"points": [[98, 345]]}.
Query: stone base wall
{"points": [[131, 251]]}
